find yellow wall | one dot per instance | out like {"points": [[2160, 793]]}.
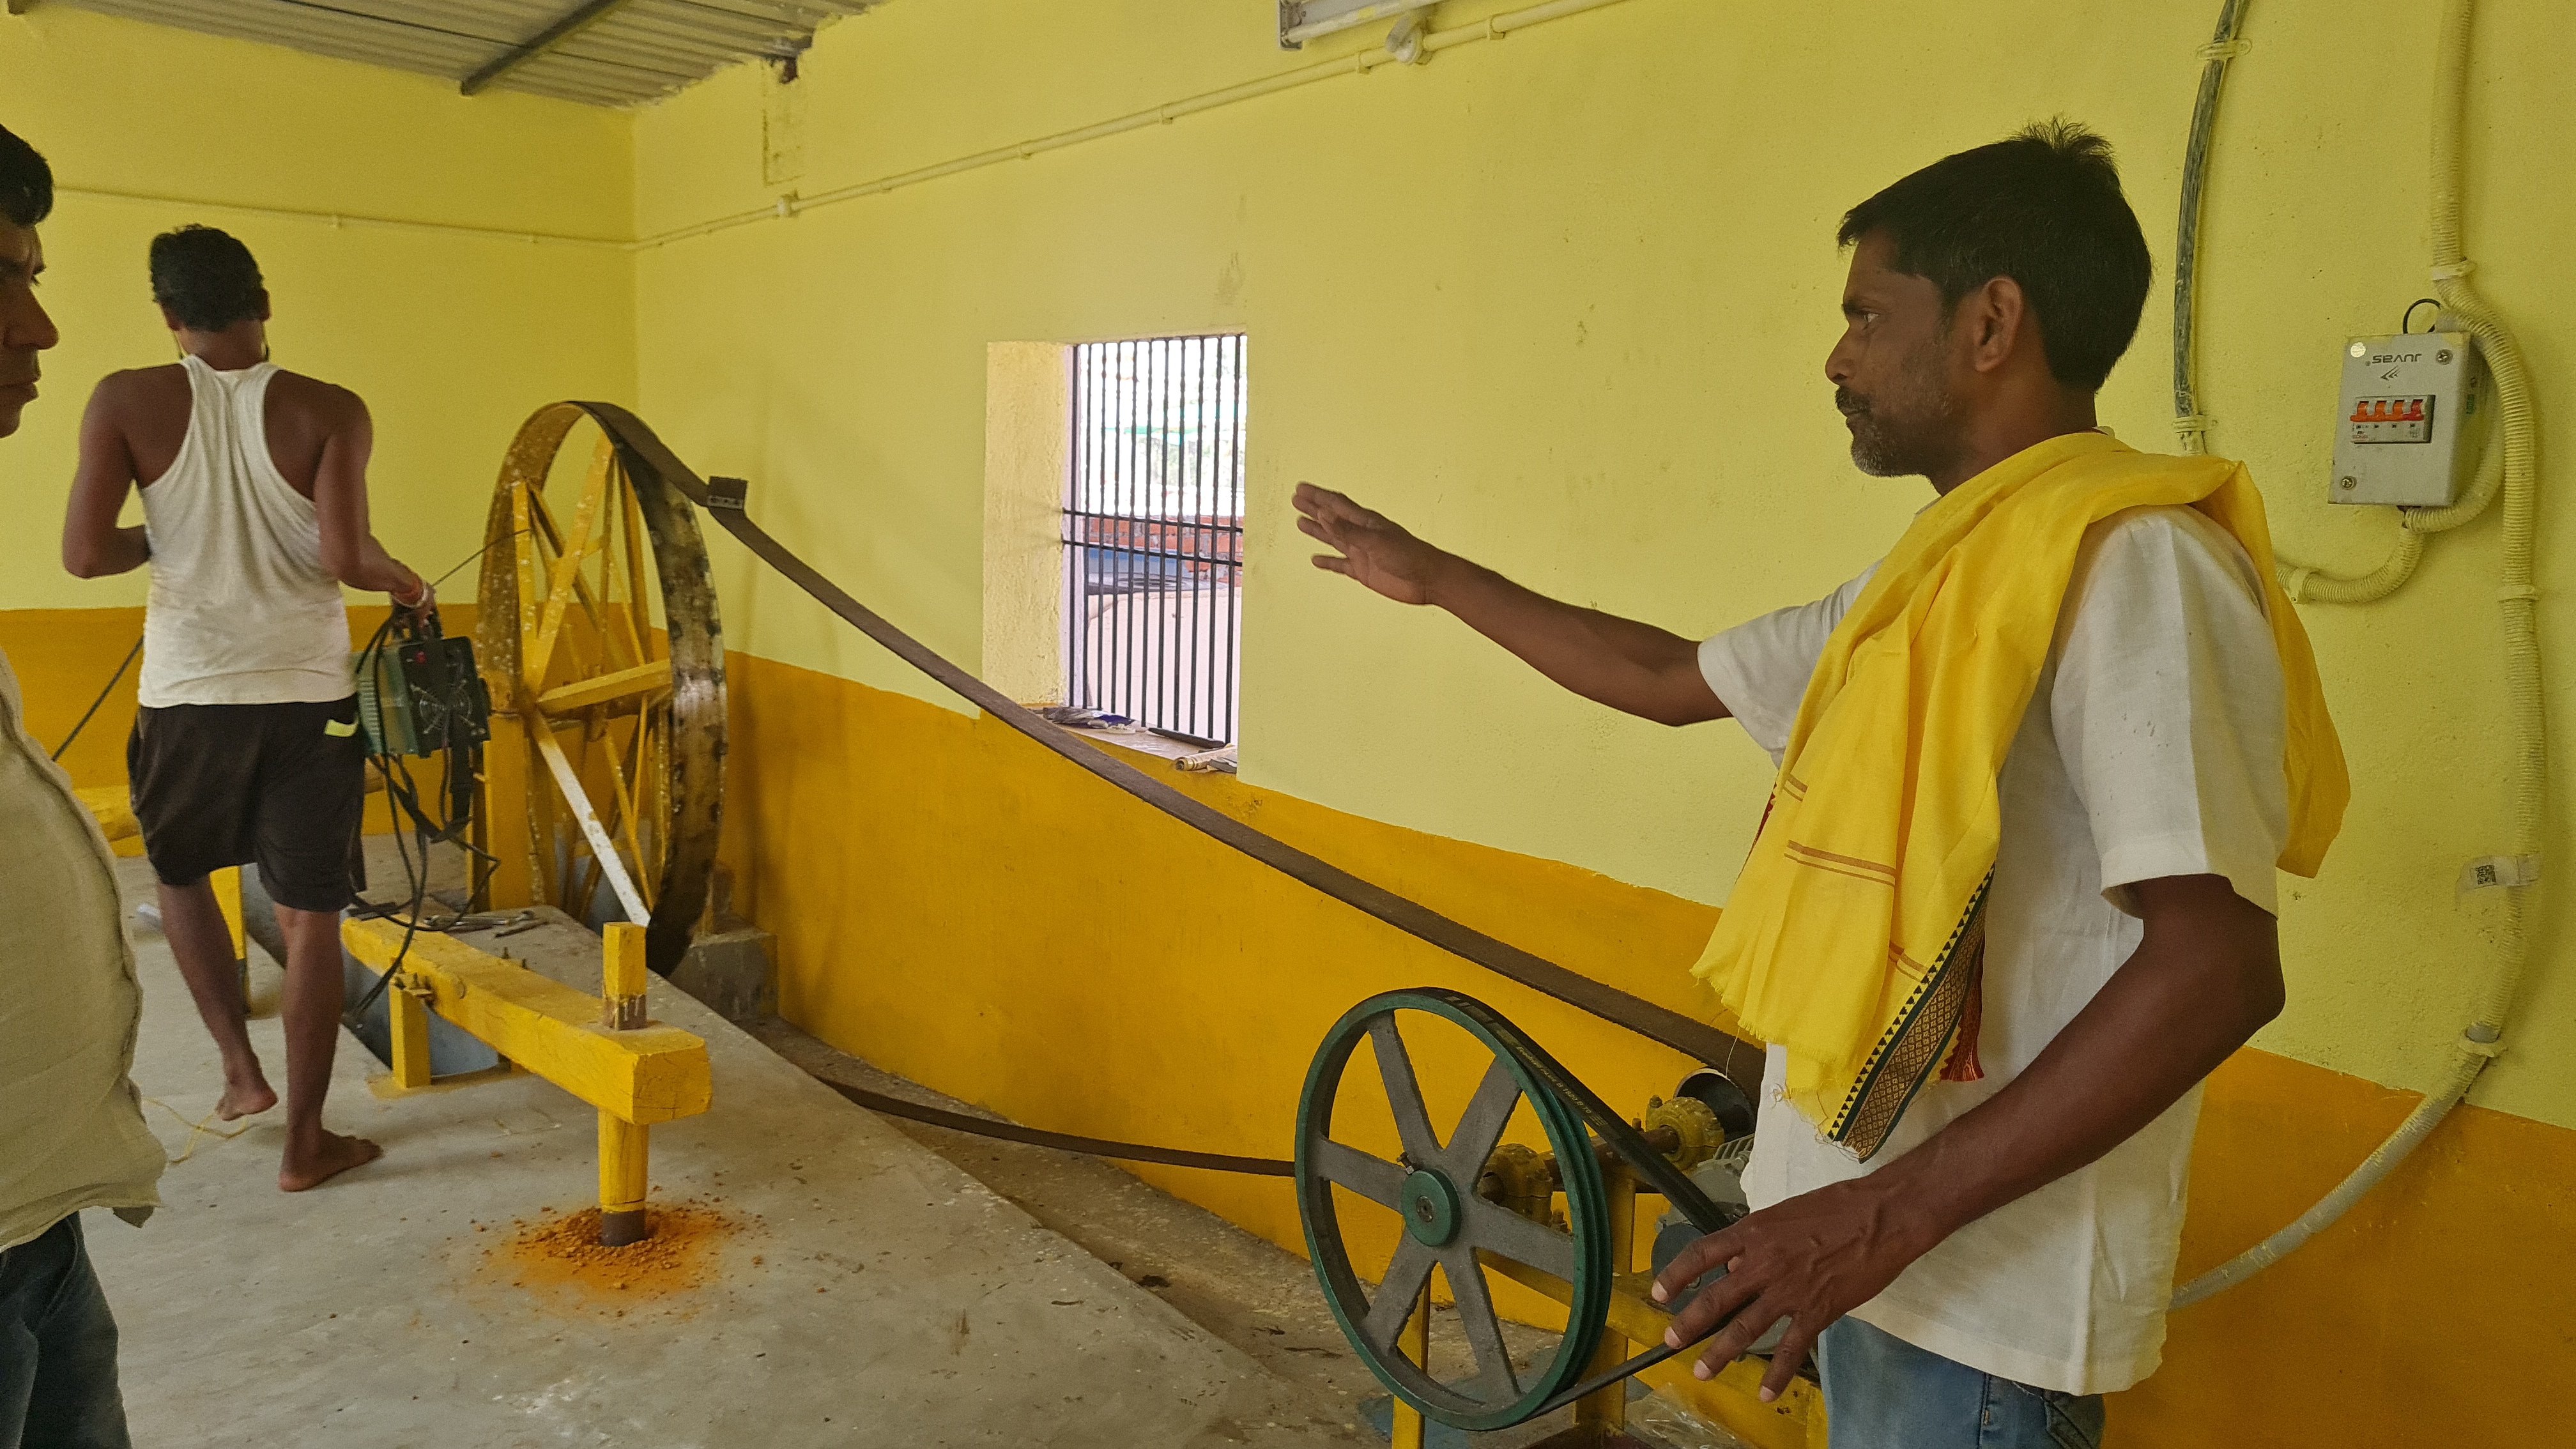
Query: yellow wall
{"points": [[451, 336], [1559, 301]]}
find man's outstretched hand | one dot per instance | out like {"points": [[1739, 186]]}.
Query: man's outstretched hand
{"points": [[1374, 549], [1810, 1260]]}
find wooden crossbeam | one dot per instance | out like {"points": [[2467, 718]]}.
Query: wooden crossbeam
{"points": [[582, 694], [655, 1074]]}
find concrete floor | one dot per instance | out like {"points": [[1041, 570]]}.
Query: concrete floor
{"points": [[880, 1282], [870, 1291]]}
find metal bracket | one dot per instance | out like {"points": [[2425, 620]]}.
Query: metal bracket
{"points": [[727, 492], [1304, 20]]}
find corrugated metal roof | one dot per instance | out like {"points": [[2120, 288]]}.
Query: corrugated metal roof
{"points": [[637, 51]]}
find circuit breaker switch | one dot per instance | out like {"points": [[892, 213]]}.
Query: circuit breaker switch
{"points": [[2407, 400], [2393, 420]]}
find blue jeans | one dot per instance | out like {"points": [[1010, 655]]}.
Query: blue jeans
{"points": [[57, 1348], [1884, 1393]]}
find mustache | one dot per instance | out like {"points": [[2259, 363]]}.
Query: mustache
{"points": [[1849, 403]]}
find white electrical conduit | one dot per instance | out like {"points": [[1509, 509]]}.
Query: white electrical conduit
{"points": [[1491, 28], [2516, 475]]}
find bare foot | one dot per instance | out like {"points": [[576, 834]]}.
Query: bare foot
{"points": [[336, 1155], [245, 1100]]}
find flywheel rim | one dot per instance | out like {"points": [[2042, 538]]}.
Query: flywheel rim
{"points": [[686, 772], [1584, 1247]]}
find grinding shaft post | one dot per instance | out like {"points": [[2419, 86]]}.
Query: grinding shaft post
{"points": [[621, 996], [625, 1152], [624, 1148]]}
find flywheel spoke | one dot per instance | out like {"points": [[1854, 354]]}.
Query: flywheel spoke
{"points": [[1373, 1178], [1498, 1230], [1495, 1381], [1399, 1291], [1480, 1127], [1403, 1092]]}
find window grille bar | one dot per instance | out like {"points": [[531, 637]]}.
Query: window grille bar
{"points": [[1153, 532]]}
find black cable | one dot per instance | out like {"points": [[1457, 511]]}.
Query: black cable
{"points": [[95, 703], [2406, 323]]}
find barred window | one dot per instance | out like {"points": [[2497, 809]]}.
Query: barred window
{"points": [[1153, 534]]}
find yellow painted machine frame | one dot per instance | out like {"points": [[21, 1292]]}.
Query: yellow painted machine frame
{"points": [[1796, 1420], [601, 1048]]}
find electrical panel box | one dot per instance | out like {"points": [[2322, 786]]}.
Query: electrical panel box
{"points": [[2407, 404], [417, 696]]}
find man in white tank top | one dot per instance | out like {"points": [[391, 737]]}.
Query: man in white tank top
{"points": [[254, 489]]}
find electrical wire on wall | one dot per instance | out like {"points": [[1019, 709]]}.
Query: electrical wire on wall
{"points": [[2510, 469]]}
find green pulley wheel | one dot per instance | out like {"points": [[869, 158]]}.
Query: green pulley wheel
{"points": [[1431, 1188]]}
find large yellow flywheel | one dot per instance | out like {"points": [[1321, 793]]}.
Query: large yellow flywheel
{"points": [[599, 641]]}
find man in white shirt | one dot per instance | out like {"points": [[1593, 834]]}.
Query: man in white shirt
{"points": [[246, 747], [2006, 1257], [72, 1135]]}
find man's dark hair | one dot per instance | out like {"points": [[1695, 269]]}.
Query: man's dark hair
{"points": [[26, 182], [206, 278], [2043, 208]]}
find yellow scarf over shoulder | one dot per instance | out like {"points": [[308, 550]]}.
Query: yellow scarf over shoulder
{"points": [[1855, 937]]}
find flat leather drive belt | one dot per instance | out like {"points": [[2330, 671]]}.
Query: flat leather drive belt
{"points": [[1061, 1141], [646, 457]]}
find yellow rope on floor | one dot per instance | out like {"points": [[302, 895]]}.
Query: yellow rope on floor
{"points": [[189, 1149]]}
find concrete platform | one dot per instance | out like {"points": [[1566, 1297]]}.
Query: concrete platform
{"points": [[858, 1288]]}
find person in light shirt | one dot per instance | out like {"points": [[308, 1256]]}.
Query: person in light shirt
{"points": [[2014, 894], [72, 1133], [246, 748]]}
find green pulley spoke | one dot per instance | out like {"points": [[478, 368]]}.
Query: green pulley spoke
{"points": [[1506, 1234], [1403, 1092], [1480, 1127], [1373, 1178], [1484, 1328], [1405, 1278]]}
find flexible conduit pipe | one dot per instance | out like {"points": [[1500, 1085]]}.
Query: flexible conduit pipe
{"points": [[2517, 478], [2190, 426]]}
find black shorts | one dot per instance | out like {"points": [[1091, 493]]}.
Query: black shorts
{"points": [[284, 785]]}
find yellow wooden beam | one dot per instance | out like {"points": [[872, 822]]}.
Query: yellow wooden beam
{"points": [[582, 694], [110, 807], [656, 1074]]}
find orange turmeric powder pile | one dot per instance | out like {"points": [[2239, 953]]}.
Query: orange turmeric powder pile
{"points": [[561, 1256]]}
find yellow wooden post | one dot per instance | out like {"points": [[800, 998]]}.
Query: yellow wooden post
{"points": [[624, 1148], [228, 899], [508, 830], [621, 995], [1406, 1428], [1602, 1416], [407, 1017], [625, 1152]]}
